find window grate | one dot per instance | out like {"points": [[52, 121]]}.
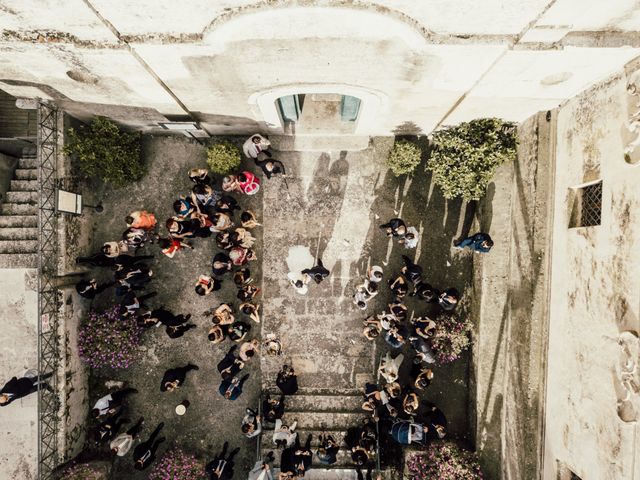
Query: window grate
{"points": [[591, 212], [586, 205]]}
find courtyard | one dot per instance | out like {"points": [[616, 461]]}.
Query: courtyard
{"points": [[330, 206]]}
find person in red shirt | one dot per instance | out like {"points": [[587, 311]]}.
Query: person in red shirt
{"points": [[170, 246]]}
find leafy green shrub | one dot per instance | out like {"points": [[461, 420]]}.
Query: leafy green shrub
{"points": [[403, 158], [465, 157], [106, 152], [223, 157]]}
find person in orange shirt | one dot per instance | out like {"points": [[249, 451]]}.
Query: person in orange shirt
{"points": [[141, 219]]}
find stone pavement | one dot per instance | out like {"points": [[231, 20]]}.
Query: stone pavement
{"points": [[332, 208], [210, 419]]}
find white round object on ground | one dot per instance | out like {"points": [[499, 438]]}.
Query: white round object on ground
{"points": [[181, 409]]}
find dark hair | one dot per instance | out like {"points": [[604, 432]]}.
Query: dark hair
{"points": [[177, 206], [211, 337], [254, 138], [377, 274], [105, 249], [95, 412], [245, 216], [409, 235], [245, 428], [372, 287], [200, 290], [299, 283], [362, 304], [199, 189], [359, 457], [128, 219], [169, 222], [422, 382], [164, 243], [247, 308], [489, 242], [242, 177], [250, 353]]}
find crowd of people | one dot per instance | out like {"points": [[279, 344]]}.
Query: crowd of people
{"points": [[209, 210]]}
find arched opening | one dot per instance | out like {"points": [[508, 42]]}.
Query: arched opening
{"points": [[318, 109]]}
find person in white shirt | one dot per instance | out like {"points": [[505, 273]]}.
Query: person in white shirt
{"points": [[410, 239], [255, 145], [123, 442], [109, 404], [284, 436], [262, 470], [251, 424]]}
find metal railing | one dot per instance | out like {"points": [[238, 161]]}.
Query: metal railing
{"points": [[48, 294]]}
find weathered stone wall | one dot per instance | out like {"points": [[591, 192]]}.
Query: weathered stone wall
{"points": [[592, 403], [418, 64], [18, 353]]}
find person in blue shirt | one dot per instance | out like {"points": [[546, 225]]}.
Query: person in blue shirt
{"points": [[480, 242], [231, 388]]}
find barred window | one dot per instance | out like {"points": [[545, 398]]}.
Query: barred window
{"points": [[586, 208]]}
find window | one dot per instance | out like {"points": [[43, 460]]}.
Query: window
{"points": [[586, 205], [349, 108], [290, 107]]}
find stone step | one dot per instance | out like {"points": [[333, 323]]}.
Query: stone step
{"points": [[343, 459], [18, 260], [25, 174], [22, 197], [338, 473], [318, 143], [28, 162], [14, 221], [305, 390], [18, 233], [324, 403], [18, 246], [19, 209], [323, 382], [323, 420], [267, 437], [24, 185]]}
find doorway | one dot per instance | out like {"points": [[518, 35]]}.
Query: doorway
{"points": [[319, 113]]}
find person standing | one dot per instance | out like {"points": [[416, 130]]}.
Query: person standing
{"points": [[145, 453], [141, 219], [284, 436], [175, 377], [479, 242], [255, 145], [21, 387], [221, 467], [261, 470], [110, 403], [394, 227], [287, 381], [317, 273], [251, 424], [90, 288], [123, 442], [231, 388]]}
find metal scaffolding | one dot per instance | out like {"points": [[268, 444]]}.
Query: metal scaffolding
{"points": [[48, 294]]}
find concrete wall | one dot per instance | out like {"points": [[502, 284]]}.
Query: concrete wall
{"points": [[418, 64], [18, 353], [592, 404]]}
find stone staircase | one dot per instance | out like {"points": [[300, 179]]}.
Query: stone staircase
{"points": [[316, 412], [19, 218]]}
